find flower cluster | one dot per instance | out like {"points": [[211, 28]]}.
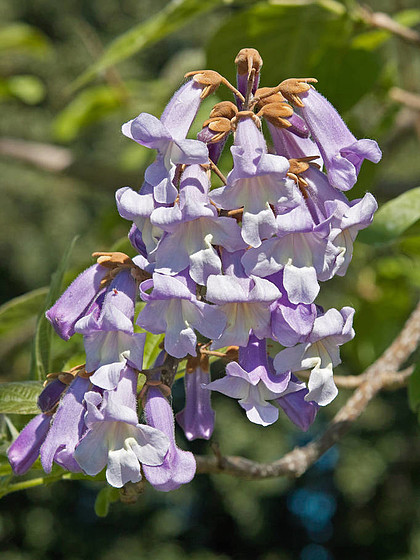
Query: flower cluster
{"points": [[239, 265]]}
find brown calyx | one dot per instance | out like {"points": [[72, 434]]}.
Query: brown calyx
{"points": [[66, 377], [265, 95], [211, 80], [220, 126], [245, 115], [248, 59], [220, 120], [225, 109], [291, 88], [277, 114], [298, 166], [116, 262], [195, 362]]}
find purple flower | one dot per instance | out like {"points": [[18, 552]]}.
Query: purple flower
{"points": [[193, 227], [197, 418], [67, 428], [348, 220], [168, 137], [138, 208], [257, 180], [319, 353], [290, 322], [76, 300], [108, 333], [291, 145], [179, 466], [343, 155], [246, 305], [173, 308], [50, 395], [301, 249], [115, 438], [253, 382], [300, 411], [24, 451]]}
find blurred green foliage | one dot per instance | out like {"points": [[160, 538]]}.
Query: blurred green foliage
{"points": [[70, 74]]}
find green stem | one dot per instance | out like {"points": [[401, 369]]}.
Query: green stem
{"points": [[33, 482]]}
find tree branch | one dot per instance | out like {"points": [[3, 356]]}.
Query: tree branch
{"points": [[381, 374], [407, 98], [383, 21]]}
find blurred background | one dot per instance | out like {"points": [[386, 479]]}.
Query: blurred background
{"points": [[62, 157]]}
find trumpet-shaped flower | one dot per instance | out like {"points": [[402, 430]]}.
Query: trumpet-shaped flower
{"points": [[319, 354], [193, 227], [197, 418], [24, 451], [167, 135], [257, 180], [253, 383], [342, 154], [67, 428], [173, 308], [115, 438], [301, 249], [108, 333], [179, 466], [76, 300]]}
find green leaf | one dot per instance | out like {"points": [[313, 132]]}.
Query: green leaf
{"points": [[20, 397], [176, 14], [310, 40], [88, 107], [105, 497], [42, 342], [21, 37], [29, 89], [5, 468], [21, 309], [393, 218]]}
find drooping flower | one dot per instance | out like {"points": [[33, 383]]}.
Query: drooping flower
{"points": [[301, 249], [109, 339], [24, 451], [76, 300], [173, 308], [67, 428], [253, 383], [245, 301], [257, 180], [167, 135], [197, 418], [319, 354], [193, 228], [115, 438], [179, 466], [342, 154]]}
